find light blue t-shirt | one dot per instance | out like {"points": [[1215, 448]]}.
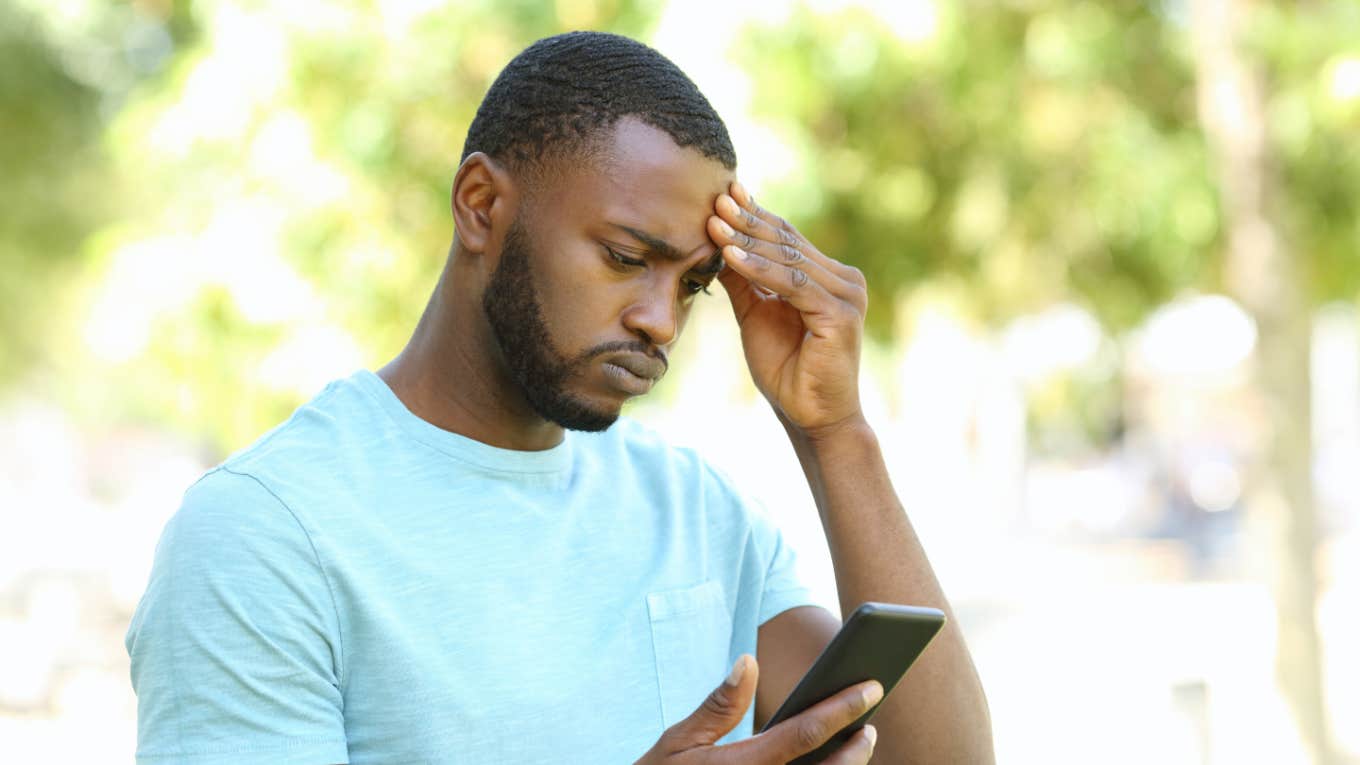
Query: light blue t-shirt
{"points": [[360, 586]]}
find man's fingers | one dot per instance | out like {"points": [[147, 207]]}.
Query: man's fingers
{"points": [[745, 231], [735, 224], [821, 309], [744, 198], [719, 713], [723, 233], [811, 728], [740, 210], [741, 292], [857, 750]]}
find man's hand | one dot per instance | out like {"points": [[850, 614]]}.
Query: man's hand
{"points": [[690, 741], [801, 314]]}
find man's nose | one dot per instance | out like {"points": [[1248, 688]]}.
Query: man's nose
{"points": [[654, 316]]}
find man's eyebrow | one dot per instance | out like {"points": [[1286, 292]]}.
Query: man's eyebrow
{"points": [[656, 244], [667, 250]]}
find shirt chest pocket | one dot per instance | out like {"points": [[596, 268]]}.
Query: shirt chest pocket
{"points": [[691, 636]]}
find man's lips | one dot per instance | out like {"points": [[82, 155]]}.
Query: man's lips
{"points": [[640, 364]]}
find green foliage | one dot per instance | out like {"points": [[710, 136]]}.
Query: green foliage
{"points": [[1034, 152], [53, 174], [1307, 52], [293, 168], [218, 183]]}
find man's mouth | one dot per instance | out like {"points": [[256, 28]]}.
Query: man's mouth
{"points": [[641, 365], [633, 373]]}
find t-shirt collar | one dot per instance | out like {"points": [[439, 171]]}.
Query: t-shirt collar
{"points": [[554, 460]]}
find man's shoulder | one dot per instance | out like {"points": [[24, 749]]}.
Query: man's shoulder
{"points": [[314, 426], [226, 520], [309, 450]]}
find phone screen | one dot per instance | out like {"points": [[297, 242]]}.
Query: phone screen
{"points": [[879, 641]]}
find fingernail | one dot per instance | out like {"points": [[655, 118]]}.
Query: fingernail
{"points": [[740, 189], [726, 229], [871, 733], [737, 251], [738, 670], [873, 694]]}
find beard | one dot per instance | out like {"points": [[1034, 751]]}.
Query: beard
{"points": [[540, 371]]}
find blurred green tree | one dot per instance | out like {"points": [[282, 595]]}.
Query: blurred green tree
{"points": [[289, 170], [1056, 150], [1032, 152], [53, 173], [1267, 268]]}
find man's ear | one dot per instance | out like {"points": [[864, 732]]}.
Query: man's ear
{"points": [[483, 193]]}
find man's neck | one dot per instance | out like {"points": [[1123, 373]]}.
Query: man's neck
{"points": [[449, 374]]}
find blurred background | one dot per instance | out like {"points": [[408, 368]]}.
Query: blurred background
{"points": [[1114, 257]]}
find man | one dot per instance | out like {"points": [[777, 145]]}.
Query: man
{"points": [[466, 558]]}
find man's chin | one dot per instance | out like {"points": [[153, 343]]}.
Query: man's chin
{"points": [[588, 421], [574, 414], [594, 425]]}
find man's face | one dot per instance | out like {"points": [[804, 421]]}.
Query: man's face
{"points": [[597, 275]]}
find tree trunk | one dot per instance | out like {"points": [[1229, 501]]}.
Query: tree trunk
{"points": [[1261, 275]]}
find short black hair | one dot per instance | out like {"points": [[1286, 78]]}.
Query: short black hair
{"points": [[560, 94]]}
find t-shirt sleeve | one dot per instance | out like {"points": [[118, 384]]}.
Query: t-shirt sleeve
{"points": [[783, 589], [770, 571], [235, 644]]}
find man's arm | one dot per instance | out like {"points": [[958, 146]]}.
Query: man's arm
{"points": [[938, 713], [801, 315]]}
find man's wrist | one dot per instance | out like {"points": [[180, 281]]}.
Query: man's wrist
{"points": [[833, 442]]}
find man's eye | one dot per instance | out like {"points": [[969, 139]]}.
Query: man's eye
{"points": [[693, 287], [623, 260]]}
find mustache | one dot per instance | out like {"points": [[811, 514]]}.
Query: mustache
{"points": [[636, 346]]}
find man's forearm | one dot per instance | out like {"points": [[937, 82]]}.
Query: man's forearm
{"points": [[939, 714]]}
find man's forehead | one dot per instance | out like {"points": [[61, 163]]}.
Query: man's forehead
{"points": [[645, 179], [633, 147]]}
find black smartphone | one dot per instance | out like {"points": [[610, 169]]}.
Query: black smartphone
{"points": [[879, 641]]}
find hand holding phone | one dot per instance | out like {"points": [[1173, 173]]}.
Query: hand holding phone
{"points": [[824, 719], [692, 741], [880, 641]]}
